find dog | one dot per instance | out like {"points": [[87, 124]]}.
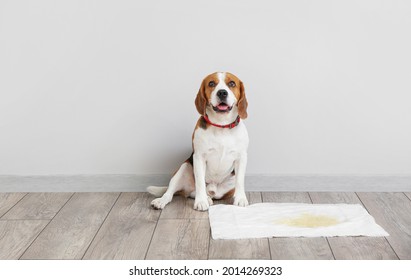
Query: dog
{"points": [[216, 168]]}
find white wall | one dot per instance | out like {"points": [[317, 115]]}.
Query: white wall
{"points": [[90, 87]]}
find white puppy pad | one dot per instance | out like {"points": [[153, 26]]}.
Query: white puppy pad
{"points": [[291, 220]]}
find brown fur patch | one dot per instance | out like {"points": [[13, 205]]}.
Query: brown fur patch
{"points": [[242, 103], [201, 123], [236, 89], [239, 93], [190, 159], [229, 194], [204, 93]]}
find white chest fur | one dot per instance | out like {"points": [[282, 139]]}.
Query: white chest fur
{"points": [[220, 148]]}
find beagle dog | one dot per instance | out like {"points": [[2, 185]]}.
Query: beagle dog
{"points": [[216, 168]]}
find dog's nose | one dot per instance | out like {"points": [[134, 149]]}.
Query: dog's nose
{"points": [[222, 93]]}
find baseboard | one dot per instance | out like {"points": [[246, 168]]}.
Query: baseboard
{"points": [[331, 183], [138, 183]]}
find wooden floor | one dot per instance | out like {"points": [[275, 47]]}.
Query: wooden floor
{"points": [[123, 226]]}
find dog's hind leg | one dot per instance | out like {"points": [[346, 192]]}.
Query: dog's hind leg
{"points": [[157, 191], [182, 181]]}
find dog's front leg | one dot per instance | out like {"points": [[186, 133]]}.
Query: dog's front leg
{"points": [[240, 198], [201, 201]]}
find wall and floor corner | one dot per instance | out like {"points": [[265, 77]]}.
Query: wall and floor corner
{"points": [[90, 89]]}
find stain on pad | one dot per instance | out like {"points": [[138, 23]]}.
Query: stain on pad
{"points": [[310, 221]]}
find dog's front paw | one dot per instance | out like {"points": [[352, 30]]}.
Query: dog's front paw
{"points": [[160, 203], [201, 204], [240, 201]]}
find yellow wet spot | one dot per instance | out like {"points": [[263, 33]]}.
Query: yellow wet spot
{"points": [[310, 221]]}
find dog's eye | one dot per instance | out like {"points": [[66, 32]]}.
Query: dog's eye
{"points": [[211, 84], [231, 84]]}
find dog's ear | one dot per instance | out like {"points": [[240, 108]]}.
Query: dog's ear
{"points": [[201, 100], [242, 103]]}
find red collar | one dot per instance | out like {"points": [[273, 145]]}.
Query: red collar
{"points": [[231, 125]]}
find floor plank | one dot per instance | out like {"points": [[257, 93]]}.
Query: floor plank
{"points": [[71, 231], [392, 212], [242, 248], [16, 236], [335, 197], [182, 208], [127, 231], [42, 206], [179, 239], [296, 248], [286, 197], [408, 195], [354, 248], [300, 249], [8, 200]]}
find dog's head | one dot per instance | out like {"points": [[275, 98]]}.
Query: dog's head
{"points": [[222, 93]]}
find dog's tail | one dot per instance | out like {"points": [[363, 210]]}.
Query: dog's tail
{"points": [[157, 191]]}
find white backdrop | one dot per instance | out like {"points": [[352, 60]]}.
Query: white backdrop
{"points": [[108, 87]]}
